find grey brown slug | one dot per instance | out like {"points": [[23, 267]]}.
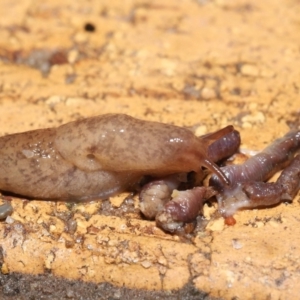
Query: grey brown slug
{"points": [[99, 156]]}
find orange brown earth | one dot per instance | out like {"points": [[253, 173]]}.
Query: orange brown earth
{"points": [[200, 64]]}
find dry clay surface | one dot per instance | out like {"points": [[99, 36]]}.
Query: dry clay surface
{"points": [[200, 64]]}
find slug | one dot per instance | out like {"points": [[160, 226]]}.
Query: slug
{"points": [[99, 156]]}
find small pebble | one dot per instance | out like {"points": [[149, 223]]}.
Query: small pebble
{"points": [[216, 225], [249, 70]]}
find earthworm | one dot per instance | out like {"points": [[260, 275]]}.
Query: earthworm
{"points": [[268, 193], [183, 208], [155, 194], [224, 147], [247, 188]]}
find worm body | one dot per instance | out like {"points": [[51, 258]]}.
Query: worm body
{"points": [[156, 194], [98, 157], [285, 188], [263, 165], [225, 146], [248, 188], [183, 208]]}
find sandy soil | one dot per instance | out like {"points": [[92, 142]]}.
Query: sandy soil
{"points": [[200, 64]]}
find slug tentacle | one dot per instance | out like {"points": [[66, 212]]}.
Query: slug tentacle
{"points": [[216, 170]]}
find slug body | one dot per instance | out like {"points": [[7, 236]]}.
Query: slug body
{"points": [[98, 157]]}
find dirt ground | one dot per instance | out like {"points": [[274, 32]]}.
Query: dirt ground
{"points": [[201, 64]]}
